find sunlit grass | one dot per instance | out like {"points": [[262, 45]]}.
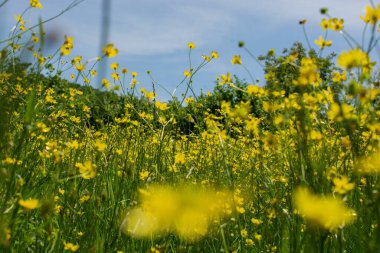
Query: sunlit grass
{"points": [[291, 166]]}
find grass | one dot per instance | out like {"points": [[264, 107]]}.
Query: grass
{"points": [[288, 167]]}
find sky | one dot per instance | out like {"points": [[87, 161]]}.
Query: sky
{"points": [[153, 34]]}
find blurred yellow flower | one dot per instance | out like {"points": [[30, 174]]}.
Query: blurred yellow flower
{"points": [[225, 79], [114, 65], [322, 43], [328, 212], [70, 246], [180, 158], [236, 59], [87, 169], [35, 4], [99, 145], [110, 51], [214, 55], [161, 106], [353, 58], [369, 164], [29, 204], [191, 45], [372, 15], [187, 73], [186, 211], [342, 185]]}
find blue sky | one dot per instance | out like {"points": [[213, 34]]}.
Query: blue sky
{"points": [[153, 34]]}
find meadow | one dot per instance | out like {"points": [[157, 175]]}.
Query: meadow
{"points": [[290, 166]]}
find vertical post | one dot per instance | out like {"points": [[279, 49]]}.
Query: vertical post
{"points": [[104, 37]]}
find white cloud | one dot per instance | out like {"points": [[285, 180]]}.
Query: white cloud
{"points": [[169, 28]]}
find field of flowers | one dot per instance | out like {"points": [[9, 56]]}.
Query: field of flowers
{"points": [[291, 166]]}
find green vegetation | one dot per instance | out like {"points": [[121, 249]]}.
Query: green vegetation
{"points": [[291, 166]]}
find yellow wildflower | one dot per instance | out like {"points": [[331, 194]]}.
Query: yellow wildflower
{"points": [[180, 158], [322, 43], [35, 4], [225, 79], [187, 73], [144, 174], [110, 51], [236, 59], [161, 106], [214, 55], [29, 204], [71, 247], [191, 45], [372, 15], [328, 212], [87, 169], [100, 146], [353, 58], [343, 185], [370, 164], [188, 212]]}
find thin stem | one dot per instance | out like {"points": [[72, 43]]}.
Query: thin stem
{"points": [[306, 37], [3, 3], [72, 5]]}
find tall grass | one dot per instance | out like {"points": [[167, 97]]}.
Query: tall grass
{"points": [[288, 167]]}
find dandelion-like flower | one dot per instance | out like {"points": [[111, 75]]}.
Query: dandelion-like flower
{"points": [[110, 51]]}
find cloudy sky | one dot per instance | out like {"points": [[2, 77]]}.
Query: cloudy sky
{"points": [[153, 34]]}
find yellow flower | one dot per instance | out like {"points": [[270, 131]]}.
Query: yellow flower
{"points": [[191, 45], [325, 24], [29, 204], [249, 242], [322, 43], [186, 211], [372, 15], [187, 73], [180, 158], [252, 89], [80, 67], [35, 4], [343, 185], [206, 58], [133, 83], [214, 55], [144, 174], [114, 65], [309, 74], [225, 79], [110, 51], [84, 198], [256, 221], [370, 164], [236, 59], [93, 72], [71, 247], [115, 76], [336, 24], [328, 212], [353, 58], [87, 169], [67, 45], [105, 83], [161, 106], [100, 146], [258, 236], [339, 77]]}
